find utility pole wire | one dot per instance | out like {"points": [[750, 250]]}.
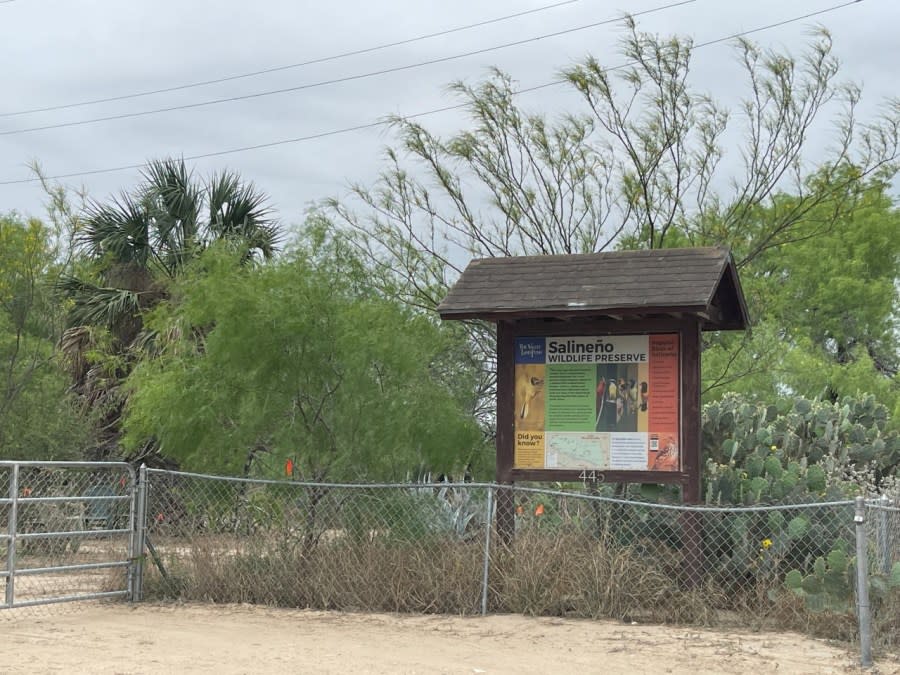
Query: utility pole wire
{"points": [[275, 69], [322, 83], [458, 106]]}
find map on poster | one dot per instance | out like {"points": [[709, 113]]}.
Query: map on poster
{"points": [[597, 402], [576, 450]]}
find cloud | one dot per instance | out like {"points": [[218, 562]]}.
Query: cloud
{"points": [[59, 51]]}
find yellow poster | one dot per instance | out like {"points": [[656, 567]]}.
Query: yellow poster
{"points": [[529, 450]]}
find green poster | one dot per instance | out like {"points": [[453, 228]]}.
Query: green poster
{"points": [[571, 397]]}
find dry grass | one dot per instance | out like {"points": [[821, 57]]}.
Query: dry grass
{"points": [[572, 576], [537, 574], [562, 575], [346, 575]]}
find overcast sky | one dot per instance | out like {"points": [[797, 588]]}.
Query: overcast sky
{"points": [[57, 52]]}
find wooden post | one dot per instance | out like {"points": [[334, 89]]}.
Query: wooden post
{"points": [[690, 410], [691, 522], [506, 513]]}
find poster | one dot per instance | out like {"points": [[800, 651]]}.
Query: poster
{"points": [[606, 403]]}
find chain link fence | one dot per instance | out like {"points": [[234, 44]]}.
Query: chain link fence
{"points": [[458, 548], [883, 545], [393, 548], [429, 548], [595, 556]]}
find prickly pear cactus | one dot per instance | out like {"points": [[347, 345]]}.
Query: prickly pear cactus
{"points": [[796, 449], [829, 585]]}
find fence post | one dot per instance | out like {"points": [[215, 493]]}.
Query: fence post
{"points": [[489, 524], [506, 513], [862, 584], [883, 535], [140, 535], [11, 531]]}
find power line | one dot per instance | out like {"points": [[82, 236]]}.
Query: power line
{"points": [[337, 80], [777, 24], [370, 125], [275, 69]]}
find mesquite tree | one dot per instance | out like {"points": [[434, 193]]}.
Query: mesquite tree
{"points": [[648, 161]]}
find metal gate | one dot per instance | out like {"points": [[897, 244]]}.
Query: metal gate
{"points": [[69, 532]]}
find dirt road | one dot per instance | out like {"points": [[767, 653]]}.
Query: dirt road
{"points": [[228, 639]]}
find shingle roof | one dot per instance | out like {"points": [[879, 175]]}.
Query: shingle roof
{"points": [[701, 281]]}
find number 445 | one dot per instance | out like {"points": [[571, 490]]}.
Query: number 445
{"points": [[590, 477]]}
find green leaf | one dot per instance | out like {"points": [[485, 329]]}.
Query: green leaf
{"points": [[783, 406], [773, 467], [812, 584], [729, 448], [776, 522], [819, 567], [754, 466], [815, 478], [863, 453], [837, 560], [802, 406], [789, 481], [758, 484], [764, 436], [797, 527], [793, 579], [778, 490], [836, 584]]}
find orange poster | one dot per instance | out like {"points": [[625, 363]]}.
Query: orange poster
{"points": [[662, 403]]}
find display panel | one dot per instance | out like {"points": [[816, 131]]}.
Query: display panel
{"points": [[606, 403]]}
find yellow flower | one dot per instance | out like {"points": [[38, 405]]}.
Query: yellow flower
{"points": [[774, 448], [766, 544]]}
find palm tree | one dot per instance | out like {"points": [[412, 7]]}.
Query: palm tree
{"points": [[136, 243]]}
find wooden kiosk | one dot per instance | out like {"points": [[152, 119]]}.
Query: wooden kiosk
{"points": [[598, 361]]}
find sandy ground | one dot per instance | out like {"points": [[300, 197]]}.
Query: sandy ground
{"points": [[229, 639]]}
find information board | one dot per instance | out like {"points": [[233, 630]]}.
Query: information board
{"points": [[606, 403]]}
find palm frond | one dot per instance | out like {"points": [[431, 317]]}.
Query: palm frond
{"points": [[74, 345], [238, 210], [221, 189], [117, 229], [173, 200], [146, 343], [98, 305], [261, 239]]}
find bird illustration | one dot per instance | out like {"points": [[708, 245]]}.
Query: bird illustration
{"points": [[667, 458]]}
